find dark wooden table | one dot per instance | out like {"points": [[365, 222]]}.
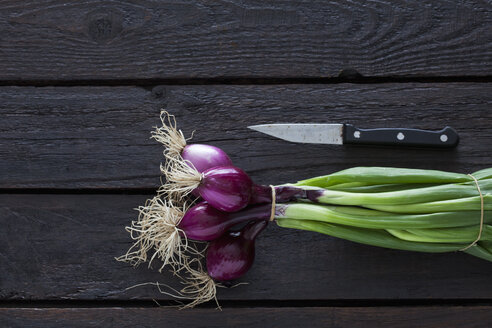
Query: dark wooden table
{"points": [[81, 86]]}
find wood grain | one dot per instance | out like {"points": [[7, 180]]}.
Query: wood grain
{"points": [[356, 317], [62, 247], [98, 137], [148, 39]]}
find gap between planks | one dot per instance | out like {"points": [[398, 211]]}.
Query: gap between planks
{"points": [[343, 77], [347, 303]]}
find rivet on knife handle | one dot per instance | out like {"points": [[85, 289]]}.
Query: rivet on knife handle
{"points": [[445, 138]]}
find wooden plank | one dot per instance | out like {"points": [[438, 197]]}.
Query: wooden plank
{"points": [[62, 247], [107, 40], [442, 316], [98, 137]]}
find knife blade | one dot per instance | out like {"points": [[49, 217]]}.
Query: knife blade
{"points": [[349, 134]]}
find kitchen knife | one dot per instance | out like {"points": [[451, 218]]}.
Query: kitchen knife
{"points": [[349, 134]]}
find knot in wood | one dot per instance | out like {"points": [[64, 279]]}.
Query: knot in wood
{"points": [[104, 25]]}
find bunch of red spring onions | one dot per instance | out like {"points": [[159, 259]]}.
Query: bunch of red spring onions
{"points": [[205, 197]]}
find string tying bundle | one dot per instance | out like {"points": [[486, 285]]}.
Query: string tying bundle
{"points": [[480, 230], [274, 200]]}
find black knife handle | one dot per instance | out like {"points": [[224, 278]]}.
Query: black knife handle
{"points": [[445, 138]]}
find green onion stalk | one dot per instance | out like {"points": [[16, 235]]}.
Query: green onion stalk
{"points": [[407, 209]]}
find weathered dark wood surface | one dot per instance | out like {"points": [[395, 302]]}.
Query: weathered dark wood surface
{"points": [[66, 40], [82, 84], [356, 317], [98, 137]]}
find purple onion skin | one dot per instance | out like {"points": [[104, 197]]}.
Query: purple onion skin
{"points": [[261, 194], [227, 188], [203, 222], [232, 255], [283, 194], [204, 157]]}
